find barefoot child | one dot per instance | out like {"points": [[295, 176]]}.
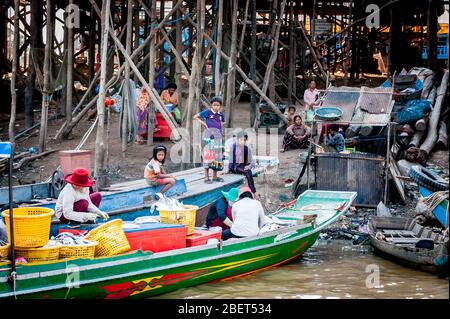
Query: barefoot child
{"points": [[155, 173], [212, 120]]}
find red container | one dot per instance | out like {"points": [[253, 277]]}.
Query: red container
{"points": [[69, 160], [157, 237], [200, 237]]}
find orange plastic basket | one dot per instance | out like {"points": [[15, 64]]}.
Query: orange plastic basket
{"points": [[183, 217], [78, 251], [39, 255], [31, 226], [111, 239], [4, 251]]}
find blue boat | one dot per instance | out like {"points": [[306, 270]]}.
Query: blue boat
{"points": [[441, 211]]}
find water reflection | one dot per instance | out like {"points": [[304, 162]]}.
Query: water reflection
{"points": [[329, 270]]}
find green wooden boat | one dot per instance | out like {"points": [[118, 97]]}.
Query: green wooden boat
{"points": [[144, 274]]}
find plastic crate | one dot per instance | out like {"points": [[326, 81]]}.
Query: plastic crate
{"points": [[201, 237]]}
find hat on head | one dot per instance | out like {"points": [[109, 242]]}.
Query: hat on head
{"points": [[232, 195], [245, 189], [79, 177]]}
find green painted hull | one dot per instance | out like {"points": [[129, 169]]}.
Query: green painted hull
{"points": [[143, 274]]}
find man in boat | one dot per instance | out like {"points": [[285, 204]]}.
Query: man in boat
{"points": [[248, 216], [220, 212], [75, 202]]}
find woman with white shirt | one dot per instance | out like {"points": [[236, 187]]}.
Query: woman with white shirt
{"points": [[75, 203], [248, 216]]}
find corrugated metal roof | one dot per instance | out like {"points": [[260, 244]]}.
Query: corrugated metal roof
{"points": [[375, 100]]}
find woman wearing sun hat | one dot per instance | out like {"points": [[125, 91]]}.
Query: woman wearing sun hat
{"points": [[75, 203], [220, 212], [248, 216]]}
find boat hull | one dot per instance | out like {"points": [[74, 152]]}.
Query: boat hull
{"points": [[138, 276]]}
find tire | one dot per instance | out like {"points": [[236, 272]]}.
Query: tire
{"points": [[426, 178]]}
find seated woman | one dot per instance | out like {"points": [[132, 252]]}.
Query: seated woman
{"points": [[170, 97], [241, 160], [248, 216], [75, 203], [296, 135], [155, 173], [220, 212]]}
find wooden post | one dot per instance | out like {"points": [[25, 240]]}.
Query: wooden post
{"points": [[432, 136], [91, 53], [179, 49], [253, 110], [126, 87], [219, 47], [244, 27], [273, 36], [35, 43], [100, 142], [15, 58], [432, 30], [70, 40], [231, 80], [46, 96], [151, 76], [291, 53]]}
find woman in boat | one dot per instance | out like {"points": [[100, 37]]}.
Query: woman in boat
{"points": [[296, 135], [241, 160], [75, 203], [220, 212], [155, 173], [248, 216]]}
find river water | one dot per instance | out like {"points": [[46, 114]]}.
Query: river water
{"points": [[331, 269]]}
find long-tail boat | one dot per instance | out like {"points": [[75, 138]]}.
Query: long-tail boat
{"points": [[141, 274]]}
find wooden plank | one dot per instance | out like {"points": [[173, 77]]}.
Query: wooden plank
{"points": [[403, 240]]}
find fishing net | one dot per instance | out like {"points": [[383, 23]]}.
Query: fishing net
{"points": [[58, 66]]}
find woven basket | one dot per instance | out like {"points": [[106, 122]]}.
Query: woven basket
{"points": [[111, 239], [78, 251], [38, 255], [31, 226], [4, 251], [183, 217]]}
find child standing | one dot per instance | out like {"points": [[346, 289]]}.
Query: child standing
{"points": [[155, 173], [212, 120]]}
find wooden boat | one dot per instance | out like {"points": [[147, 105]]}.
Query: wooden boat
{"points": [[401, 238], [144, 274], [129, 200], [441, 211]]}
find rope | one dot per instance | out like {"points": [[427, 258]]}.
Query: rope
{"points": [[429, 203]]}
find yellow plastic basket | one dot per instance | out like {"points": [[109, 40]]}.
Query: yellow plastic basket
{"points": [[184, 217], [31, 226], [111, 239], [78, 251], [4, 251], [39, 255]]}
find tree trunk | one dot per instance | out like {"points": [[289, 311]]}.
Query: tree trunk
{"points": [[431, 139], [442, 139], [46, 94], [100, 142], [15, 58]]}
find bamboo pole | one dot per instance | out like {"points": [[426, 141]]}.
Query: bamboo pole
{"points": [[70, 52], [12, 119], [179, 63], [100, 142], [271, 77], [231, 79], [244, 27], [253, 110], [46, 97], [219, 47]]}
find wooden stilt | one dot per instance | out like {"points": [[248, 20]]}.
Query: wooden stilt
{"points": [[219, 47], [231, 80], [12, 119]]}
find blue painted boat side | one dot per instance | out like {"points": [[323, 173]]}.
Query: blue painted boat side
{"points": [[25, 193], [440, 212]]}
